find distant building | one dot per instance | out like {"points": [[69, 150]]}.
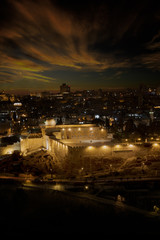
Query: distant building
{"points": [[140, 95], [9, 144], [64, 88], [3, 96]]}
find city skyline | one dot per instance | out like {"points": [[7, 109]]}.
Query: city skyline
{"points": [[88, 45]]}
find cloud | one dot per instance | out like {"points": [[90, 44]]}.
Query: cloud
{"points": [[151, 61], [42, 36]]}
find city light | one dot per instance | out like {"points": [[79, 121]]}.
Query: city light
{"points": [[155, 145], [117, 146], [28, 181], [80, 118], [58, 187], [17, 104], [90, 147], [9, 152], [131, 145], [50, 122], [105, 147]]}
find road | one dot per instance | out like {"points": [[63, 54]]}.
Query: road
{"points": [[34, 210], [84, 193]]}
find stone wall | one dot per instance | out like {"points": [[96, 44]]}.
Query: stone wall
{"points": [[106, 151], [58, 149], [76, 157], [31, 144], [83, 133], [9, 149]]}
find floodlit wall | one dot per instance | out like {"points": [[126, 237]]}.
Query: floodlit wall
{"points": [[56, 148], [31, 144], [9, 149], [91, 158], [79, 155], [84, 155], [83, 133], [117, 151]]}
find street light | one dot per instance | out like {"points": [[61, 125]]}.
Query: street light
{"points": [[131, 145], [105, 147], [81, 170], [155, 145], [90, 147], [117, 146]]}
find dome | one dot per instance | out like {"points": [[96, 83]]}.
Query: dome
{"points": [[50, 122]]}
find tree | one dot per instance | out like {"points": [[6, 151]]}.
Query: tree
{"points": [[98, 121], [130, 126], [142, 130]]}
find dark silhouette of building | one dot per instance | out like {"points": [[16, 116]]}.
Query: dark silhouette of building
{"points": [[64, 88], [140, 95]]}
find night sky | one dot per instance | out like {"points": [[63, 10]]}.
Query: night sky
{"points": [[86, 44]]}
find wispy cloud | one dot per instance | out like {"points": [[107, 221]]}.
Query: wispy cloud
{"points": [[44, 37], [41, 36], [151, 61]]}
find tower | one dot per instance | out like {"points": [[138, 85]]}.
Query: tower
{"points": [[64, 88]]}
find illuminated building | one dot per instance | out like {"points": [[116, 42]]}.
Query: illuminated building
{"points": [[76, 143], [9, 144], [3, 96]]}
